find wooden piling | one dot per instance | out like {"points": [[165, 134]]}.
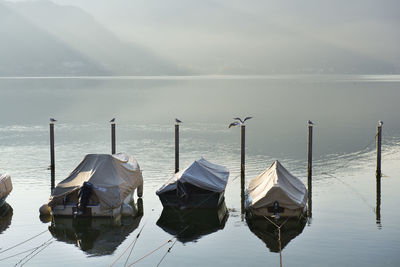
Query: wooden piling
{"points": [[378, 172], [52, 155], [176, 147], [309, 169], [378, 149], [242, 164], [113, 138]]}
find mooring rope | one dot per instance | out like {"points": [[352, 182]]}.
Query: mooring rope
{"points": [[130, 252], [23, 252], [353, 156], [133, 242], [168, 251], [351, 188], [279, 236], [23, 242], [42, 246], [151, 252], [161, 246]]}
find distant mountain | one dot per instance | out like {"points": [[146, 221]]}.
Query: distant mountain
{"points": [[40, 38]]}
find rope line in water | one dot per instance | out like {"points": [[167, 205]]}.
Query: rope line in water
{"points": [[162, 245], [151, 252], [168, 251], [42, 246], [133, 242], [355, 154], [23, 242], [23, 252], [352, 189], [279, 236]]}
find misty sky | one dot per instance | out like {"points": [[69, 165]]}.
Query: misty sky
{"points": [[222, 34]]}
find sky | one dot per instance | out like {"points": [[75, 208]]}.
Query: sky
{"points": [[219, 36]]}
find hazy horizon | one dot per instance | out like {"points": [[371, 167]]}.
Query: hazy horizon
{"points": [[223, 37]]}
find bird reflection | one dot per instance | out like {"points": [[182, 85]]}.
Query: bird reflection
{"points": [[95, 236], [269, 233], [189, 225], [6, 213]]}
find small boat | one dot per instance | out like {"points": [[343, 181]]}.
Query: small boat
{"points": [[102, 185], [276, 192], [5, 187], [201, 185]]}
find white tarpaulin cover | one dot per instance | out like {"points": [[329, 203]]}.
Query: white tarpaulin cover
{"points": [[201, 173], [113, 178], [276, 184], [5, 185]]}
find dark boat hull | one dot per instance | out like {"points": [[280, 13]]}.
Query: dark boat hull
{"points": [[195, 200]]}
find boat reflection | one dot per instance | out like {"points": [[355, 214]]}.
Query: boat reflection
{"points": [[6, 213], [94, 236], [269, 233], [189, 225]]}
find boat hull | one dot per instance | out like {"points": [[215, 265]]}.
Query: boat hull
{"points": [[70, 209], [196, 200]]}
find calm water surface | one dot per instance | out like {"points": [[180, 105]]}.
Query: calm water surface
{"points": [[343, 231]]}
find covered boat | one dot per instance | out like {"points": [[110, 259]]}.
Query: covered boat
{"points": [[276, 192], [201, 185], [5, 187], [101, 185]]}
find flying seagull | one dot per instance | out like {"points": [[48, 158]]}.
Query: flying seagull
{"points": [[233, 124], [52, 120], [242, 121], [177, 120], [247, 118], [112, 120], [238, 119]]}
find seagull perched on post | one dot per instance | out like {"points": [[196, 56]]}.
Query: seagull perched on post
{"points": [[310, 122], [177, 120], [52, 120], [112, 120], [380, 123]]}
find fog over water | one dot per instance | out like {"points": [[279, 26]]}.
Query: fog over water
{"points": [[206, 37]]}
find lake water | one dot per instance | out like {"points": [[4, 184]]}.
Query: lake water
{"points": [[344, 229]]}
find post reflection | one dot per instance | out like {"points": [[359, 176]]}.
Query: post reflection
{"points": [[378, 201], [95, 236], [6, 213], [265, 230], [189, 225]]}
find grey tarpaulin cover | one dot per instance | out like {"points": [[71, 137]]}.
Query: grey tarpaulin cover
{"points": [[114, 177], [276, 184], [201, 173], [5, 185]]}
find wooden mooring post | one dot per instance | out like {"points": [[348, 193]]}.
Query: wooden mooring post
{"points": [[242, 164], [378, 172], [177, 121], [52, 154], [378, 148], [309, 168], [113, 145]]}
